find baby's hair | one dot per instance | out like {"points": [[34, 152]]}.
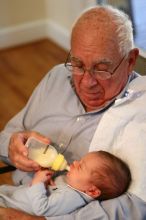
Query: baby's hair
{"points": [[113, 177]]}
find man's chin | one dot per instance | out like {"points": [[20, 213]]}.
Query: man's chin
{"points": [[93, 105]]}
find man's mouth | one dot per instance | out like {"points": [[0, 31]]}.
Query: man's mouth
{"points": [[91, 96]]}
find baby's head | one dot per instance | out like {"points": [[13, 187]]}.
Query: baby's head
{"points": [[100, 175]]}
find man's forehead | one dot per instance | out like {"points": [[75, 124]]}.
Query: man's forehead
{"points": [[100, 60], [98, 49]]}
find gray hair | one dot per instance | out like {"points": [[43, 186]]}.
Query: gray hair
{"points": [[124, 29]]}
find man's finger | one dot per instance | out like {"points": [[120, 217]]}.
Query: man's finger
{"points": [[25, 164]]}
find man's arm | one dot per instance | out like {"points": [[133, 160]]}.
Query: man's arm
{"points": [[13, 214], [12, 138]]}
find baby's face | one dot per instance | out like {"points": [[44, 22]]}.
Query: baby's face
{"points": [[80, 174]]}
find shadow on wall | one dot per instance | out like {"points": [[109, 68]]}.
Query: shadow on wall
{"points": [[141, 65]]}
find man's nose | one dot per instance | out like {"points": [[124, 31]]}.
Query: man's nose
{"points": [[88, 79]]}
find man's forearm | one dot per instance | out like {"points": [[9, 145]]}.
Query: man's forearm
{"points": [[13, 214]]}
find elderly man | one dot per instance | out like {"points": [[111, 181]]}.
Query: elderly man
{"points": [[70, 102]]}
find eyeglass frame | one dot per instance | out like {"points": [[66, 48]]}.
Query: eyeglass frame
{"points": [[91, 70]]}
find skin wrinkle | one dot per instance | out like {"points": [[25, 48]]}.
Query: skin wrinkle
{"points": [[102, 64], [92, 44], [86, 81]]}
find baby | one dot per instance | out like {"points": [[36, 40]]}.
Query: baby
{"points": [[98, 175]]}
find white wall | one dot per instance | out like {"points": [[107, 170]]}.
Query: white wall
{"points": [[61, 15], [14, 12], [23, 21], [64, 12]]}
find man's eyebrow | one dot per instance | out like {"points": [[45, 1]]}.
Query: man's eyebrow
{"points": [[76, 58], [100, 61], [103, 61], [95, 63]]}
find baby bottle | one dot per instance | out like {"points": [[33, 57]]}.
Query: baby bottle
{"points": [[46, 155]]}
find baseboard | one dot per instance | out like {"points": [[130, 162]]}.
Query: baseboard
{"points": [[15, 35], [58, 34], [32, 31]]}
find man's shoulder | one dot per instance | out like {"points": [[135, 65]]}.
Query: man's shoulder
{"points": [[139, 83], [55, 75], [60, 68]]}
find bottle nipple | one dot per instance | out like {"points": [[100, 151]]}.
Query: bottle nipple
{"points": [[60, 163]]}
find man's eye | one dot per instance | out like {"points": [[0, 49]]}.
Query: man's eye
{"points": [[76, 62], [100, 67], [78, 65]]}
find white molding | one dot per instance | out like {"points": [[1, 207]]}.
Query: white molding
{"points": [[27, 32], [58, 34], [23, 33]]}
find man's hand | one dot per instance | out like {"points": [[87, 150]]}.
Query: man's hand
{"points": [[13, 214], [18, 152]]}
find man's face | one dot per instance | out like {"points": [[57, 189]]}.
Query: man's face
{"points": [[80, 174], [102, 53]]}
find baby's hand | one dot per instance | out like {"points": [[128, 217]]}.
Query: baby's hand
{"points": [[42, 176]]}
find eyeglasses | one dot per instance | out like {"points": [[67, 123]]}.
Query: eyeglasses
{"points": [[77, 67]]}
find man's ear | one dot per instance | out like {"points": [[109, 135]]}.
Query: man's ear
{"points": [[93, 191], [132, 59]]}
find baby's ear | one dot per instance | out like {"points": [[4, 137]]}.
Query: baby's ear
{"points": [[93, 191]]}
